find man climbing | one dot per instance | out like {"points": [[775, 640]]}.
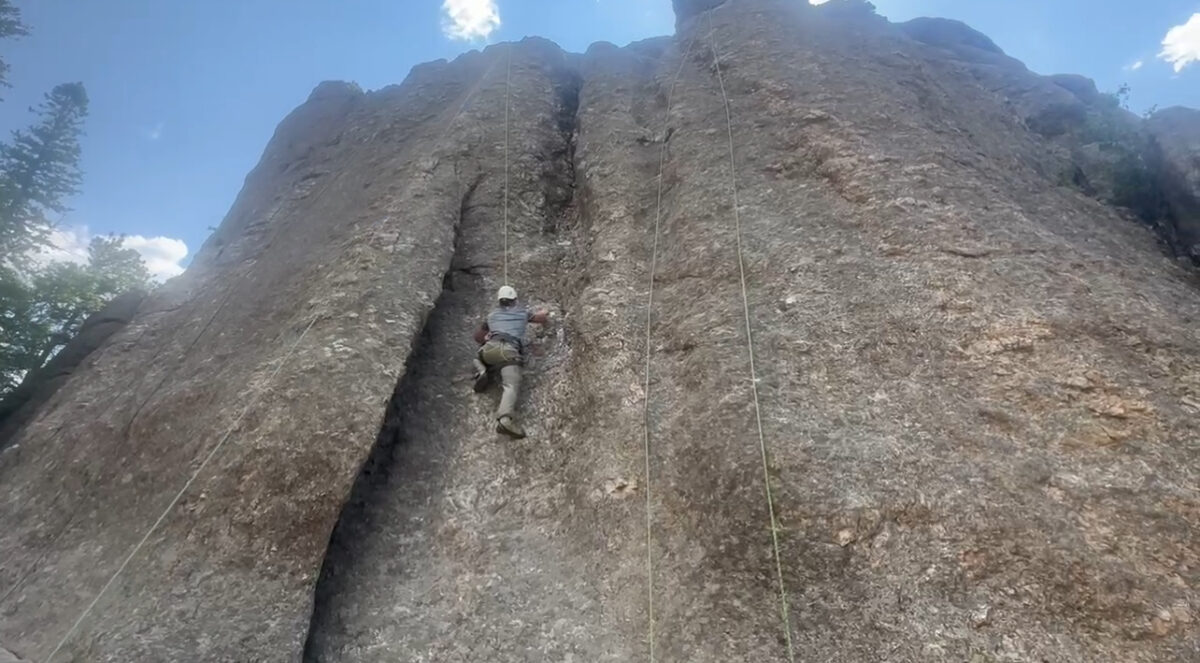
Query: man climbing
{"points": [[501, 338]]}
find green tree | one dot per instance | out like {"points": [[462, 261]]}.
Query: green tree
{"points": [[39, 314], [19, 334], [117, 269], [39, 169], [10, 26]]}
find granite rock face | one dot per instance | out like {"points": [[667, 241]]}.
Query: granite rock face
{"points": [[24, 401], [1050, 106], [1091, 141], [976, 388], [1176, 134]]}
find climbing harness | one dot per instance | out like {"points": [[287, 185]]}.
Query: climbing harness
{"points": [[762, 443], [237, 421], [500, 350], [662, 156]]}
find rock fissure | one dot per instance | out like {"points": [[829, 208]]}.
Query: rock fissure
{"points": [[422, 452], [972, 377], [371, 484]]}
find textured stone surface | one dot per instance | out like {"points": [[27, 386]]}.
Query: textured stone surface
{"points": [[1044, 103], [345, 230], [1091, 141], [685, 10], [978, 389], [37, 387], [1176, 133]]}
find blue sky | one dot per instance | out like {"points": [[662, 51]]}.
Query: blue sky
{"points": [[185, 94]]}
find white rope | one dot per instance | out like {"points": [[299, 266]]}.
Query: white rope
{"points": [[662, 156], [762, 443], [225, 437], [507, 92], [179, 495]]}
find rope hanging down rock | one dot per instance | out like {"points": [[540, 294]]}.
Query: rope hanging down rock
{"points": [[237, 421], [662, 157], [507, 103], [762, 442]]}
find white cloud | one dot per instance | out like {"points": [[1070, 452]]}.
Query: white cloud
{"points": [[162, 255], [817, 2], [1181, 46], [469, 19], [1135, 66]]}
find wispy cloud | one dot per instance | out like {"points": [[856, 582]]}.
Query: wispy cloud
{"points": [[469, 19], [1181, 46], [162, 255], [65, 245], [154, 132], [1137, 64]]}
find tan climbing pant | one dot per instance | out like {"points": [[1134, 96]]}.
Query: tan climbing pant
{"points": [[497, 353], [510, 381]]}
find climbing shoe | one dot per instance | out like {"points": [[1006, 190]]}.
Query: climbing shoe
{"points": [[482, 380], [506, 425]]}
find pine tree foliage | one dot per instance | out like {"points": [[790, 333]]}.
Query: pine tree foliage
{"points": [[39, 169], [10, 26]]}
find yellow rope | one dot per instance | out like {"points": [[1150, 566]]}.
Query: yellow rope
{"points": [[178, 496], [229, 431], [507, 93], [762, 443], [662, 156]]}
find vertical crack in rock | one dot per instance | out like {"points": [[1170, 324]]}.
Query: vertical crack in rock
{"points": [[558, 183], [972, 379], [372, 484], [442, 498]]}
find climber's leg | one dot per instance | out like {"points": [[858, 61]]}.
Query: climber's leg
{"points": [[510, 377], [482, 379]]}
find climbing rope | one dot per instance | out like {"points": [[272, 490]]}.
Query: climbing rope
{"points": [[507, 92], [87, 447], [88, 479], [178, 496], [762, 443], [662, 156], [237, 421]]}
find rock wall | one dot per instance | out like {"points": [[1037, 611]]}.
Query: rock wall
{"points": [[975, 387], [37, 387], [1091, 142], [1176, 134]]}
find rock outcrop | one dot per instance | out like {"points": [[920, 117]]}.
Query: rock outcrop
{"points": [[37, 388], [1046, 105], [975, 401], [1176, 133], [1092, 142]]}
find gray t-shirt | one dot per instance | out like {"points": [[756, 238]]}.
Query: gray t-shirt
{"points": [[510, 320]]}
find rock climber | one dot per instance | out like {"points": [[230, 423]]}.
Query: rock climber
{"points": [[501, 340]]}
